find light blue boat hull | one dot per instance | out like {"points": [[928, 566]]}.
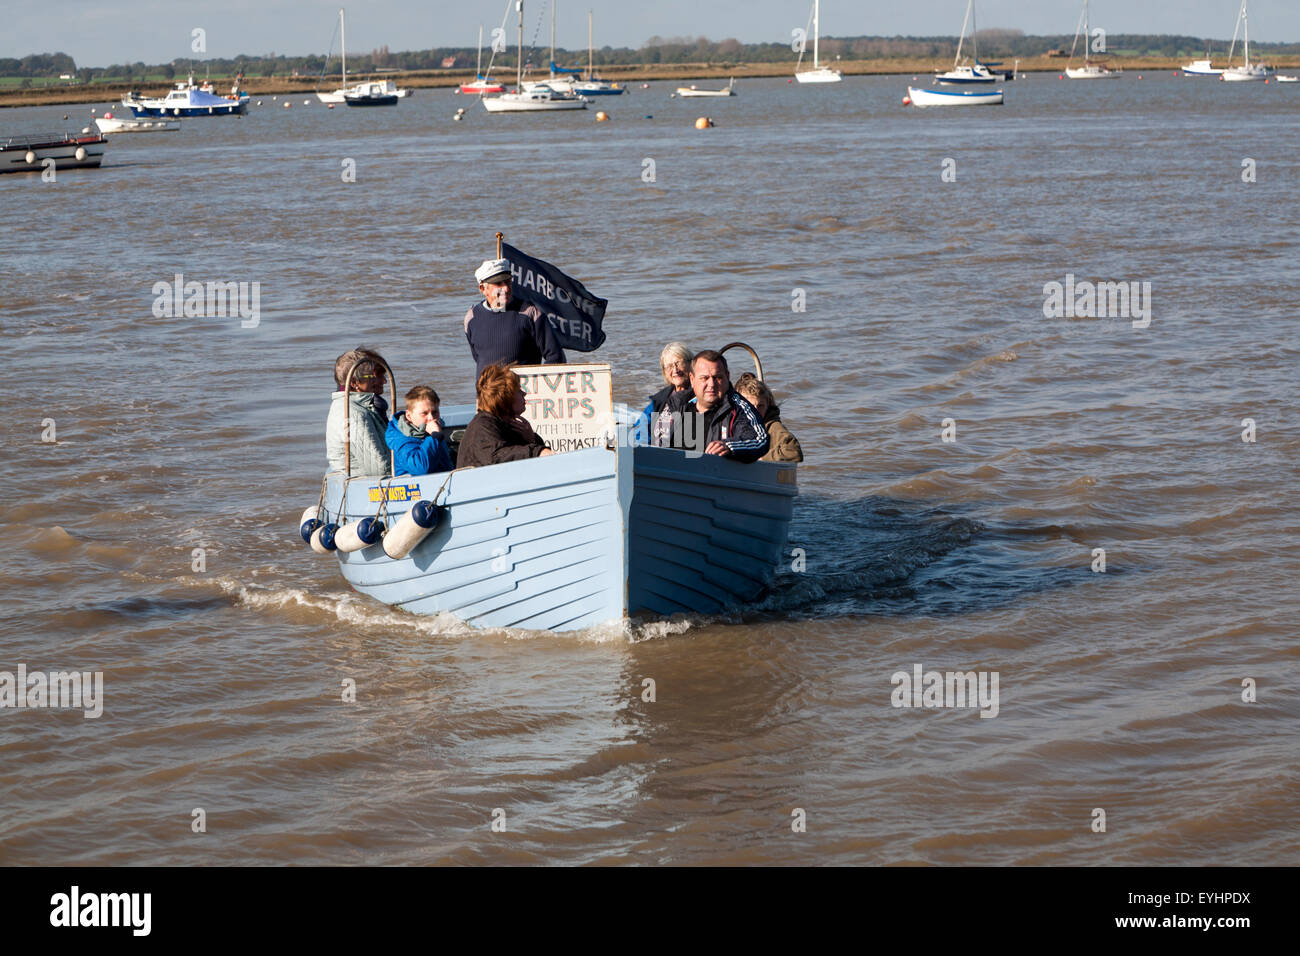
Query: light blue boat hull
{"points": [[570, 541]]}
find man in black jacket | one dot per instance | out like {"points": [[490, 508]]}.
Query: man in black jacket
{"points": [[503, 330], [714, 419]]}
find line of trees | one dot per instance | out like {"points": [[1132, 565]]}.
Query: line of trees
{"points": [[666, 50]]}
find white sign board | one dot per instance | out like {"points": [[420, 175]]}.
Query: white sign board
{"points": [[569, 406]]}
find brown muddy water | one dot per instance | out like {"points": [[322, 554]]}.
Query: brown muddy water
{"points": [[154, 538]]}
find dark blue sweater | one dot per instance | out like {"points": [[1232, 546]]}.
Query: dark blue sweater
{"points": [[520, 334]]}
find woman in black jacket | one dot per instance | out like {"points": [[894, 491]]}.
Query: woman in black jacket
{"points": [[498, 432]]}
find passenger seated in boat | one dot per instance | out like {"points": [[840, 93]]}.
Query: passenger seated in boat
{"points": [[675, 364], [504, 330], [415, 436], [785, 447], [712, 418], [498, 432], [367, 414]]}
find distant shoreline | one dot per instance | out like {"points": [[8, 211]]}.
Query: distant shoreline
{"points": [[626, 75]]}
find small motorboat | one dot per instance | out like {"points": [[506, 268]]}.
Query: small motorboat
{"points": [[108, 123], [27, 154], [372, 94], [1201, 68], [958, 97], [1283, 78], [693, 90]]}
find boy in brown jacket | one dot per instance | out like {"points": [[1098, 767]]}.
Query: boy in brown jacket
{"points": [[785, 447]]}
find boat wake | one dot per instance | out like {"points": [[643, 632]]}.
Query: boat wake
{"points": [[876, 555]]}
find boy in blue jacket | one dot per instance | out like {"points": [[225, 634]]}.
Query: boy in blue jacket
{"points": [[415, 436]]}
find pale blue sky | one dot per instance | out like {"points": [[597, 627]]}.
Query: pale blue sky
{"points": [[100, 32]]}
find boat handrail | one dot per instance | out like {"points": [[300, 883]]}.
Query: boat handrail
{"points": [[752, 354], [347, 420], [34, 140]]}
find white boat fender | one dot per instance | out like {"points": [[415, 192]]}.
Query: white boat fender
{"points": [[30, 157], [356, 535], [322, 540], [413, 528], [308, 523], [80, 153]]}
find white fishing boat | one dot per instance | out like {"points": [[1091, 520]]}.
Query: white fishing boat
{"points": [[1089, 70], [922, 97], [693, 90], [818, 73], [1281, 78], [1202, 68], [108, 123], [532, 99], [1246, 72], [188, 100], [975, 73], [29, 154]]}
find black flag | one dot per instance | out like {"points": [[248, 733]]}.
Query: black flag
{"points": [[574, 313]]}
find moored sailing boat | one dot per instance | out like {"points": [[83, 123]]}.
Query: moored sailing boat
{"points": [[975, 73], [1246, 72], [818, 73], [480, 84], [1089, 70], [539, 97]]}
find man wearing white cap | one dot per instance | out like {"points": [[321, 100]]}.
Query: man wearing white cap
{"points": [[502, 329]]}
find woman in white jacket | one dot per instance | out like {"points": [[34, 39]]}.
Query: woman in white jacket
{"points": [[368, 413]]}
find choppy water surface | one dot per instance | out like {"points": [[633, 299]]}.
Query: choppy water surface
{"points": [[1119, 690]]}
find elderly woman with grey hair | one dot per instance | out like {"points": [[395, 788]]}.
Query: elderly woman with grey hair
{"points": [[675, 364]]}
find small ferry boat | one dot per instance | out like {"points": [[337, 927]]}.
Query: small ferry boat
{"points": [[22, 154], [561, 542], [186, 100]]}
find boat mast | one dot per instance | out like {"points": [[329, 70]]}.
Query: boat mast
{"points": [[591, 55], [552, 67], [817, 29], [1086, 34], [962, 39], [478, 68], [1245, 32], [519, 63], [343, 39]]}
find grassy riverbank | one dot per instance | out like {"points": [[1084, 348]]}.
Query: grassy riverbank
{"points": [[109, 92]]}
